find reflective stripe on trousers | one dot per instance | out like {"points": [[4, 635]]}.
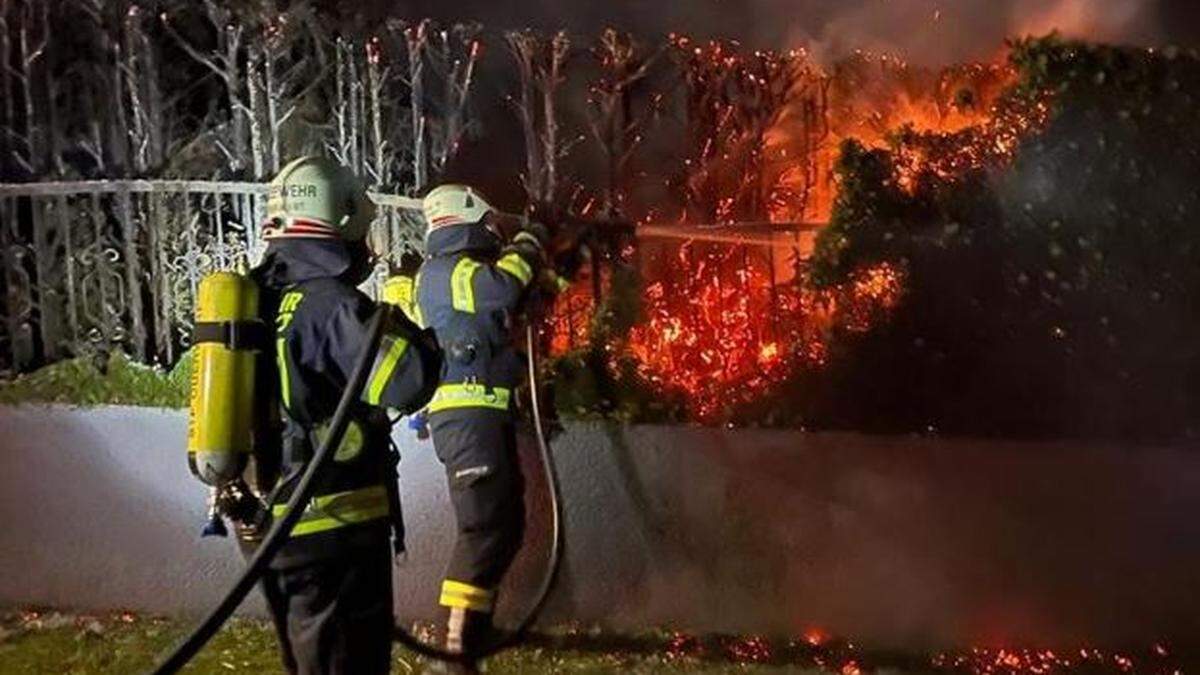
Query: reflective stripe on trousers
{"points": [[465, 596]]}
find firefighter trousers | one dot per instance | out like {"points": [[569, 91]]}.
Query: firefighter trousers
{"points": [[478, 447], [334, 616]]}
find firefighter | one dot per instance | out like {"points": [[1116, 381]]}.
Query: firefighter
{"points": [[330, 589], [469, 289]]}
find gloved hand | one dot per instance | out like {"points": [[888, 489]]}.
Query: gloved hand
{"points": [[565, 234], [559, 230], [535, 233], [410, 262]]}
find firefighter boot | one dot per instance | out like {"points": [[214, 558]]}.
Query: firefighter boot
{"points": [[466, 633]]}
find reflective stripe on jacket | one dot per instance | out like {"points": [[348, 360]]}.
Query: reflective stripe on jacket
{"points": [[467, 291], [330, 511], [322, 327]]}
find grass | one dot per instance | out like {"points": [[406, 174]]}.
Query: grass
{"points": [[94, 380], [120, 643], [123, 643], [52, 642]]}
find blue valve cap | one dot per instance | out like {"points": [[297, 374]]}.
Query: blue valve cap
{"points": [[215, 527]]}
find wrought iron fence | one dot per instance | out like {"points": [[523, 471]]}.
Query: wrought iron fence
{"points": [[114, 265]]}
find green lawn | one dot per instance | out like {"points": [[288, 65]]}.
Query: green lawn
{"points": [[52, 642]]}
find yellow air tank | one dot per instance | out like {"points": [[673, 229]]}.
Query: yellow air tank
{"points": [[220, 433]]}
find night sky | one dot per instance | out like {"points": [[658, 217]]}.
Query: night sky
{"points": [[924, 31]]}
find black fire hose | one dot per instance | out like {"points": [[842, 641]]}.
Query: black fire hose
{"points": [[277, 536], [553, 559], [280, 530]]}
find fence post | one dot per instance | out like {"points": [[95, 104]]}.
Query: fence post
{"points": [[133, 274], [160, 289], [49, 314], [64, 228], [100, 268], [16, 285]]}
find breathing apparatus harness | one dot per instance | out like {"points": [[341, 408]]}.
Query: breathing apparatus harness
{"points": [[233, 497], [281, 528]]}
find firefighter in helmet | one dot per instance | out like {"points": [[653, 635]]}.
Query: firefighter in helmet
{"points": [[469, 288], [330, 588]]}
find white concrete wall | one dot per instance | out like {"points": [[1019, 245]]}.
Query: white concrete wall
{"points": [[892, 541]]}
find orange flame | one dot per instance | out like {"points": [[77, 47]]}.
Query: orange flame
{"points": [[724, 324]]}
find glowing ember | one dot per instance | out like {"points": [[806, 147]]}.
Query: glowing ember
{"points": [[713, 329], [749, 650], [816, 649], [980, 661], [990, 143], [682, 646], [719, 329], [572, 314], [724, 324], [725, 334], [816, 637]]}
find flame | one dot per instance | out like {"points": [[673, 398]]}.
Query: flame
{"points": [[725, 323], [816, 637], [571, 316], [723, 334]]}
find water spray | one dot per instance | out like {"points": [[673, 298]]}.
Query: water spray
{"points": [[767, 235]]}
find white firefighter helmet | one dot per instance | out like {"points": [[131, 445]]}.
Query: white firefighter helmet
{"points": [[454, 204], [317, 198]]}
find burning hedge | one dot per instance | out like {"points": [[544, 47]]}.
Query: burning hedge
{"points": [[1053, 294], [729, 314], [1028, 271], [1011, 246]]}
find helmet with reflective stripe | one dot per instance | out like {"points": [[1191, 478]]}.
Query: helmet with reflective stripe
{"points": [[317, 198], [454, 204]]}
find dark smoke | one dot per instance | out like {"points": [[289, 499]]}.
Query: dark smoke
{"points": [[929, 32]]}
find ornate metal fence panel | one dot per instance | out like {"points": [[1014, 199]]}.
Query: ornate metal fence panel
{"points": [[98, 266]]}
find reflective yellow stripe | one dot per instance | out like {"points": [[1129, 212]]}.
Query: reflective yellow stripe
{"points": [[390, 351], [450, 396], [285, 380], [401, 292], [526, 236], [353, 441], [398, 290], [561, 284], [515, 265], [328, 512], [466, 596], [462, 294], [416, 304]]}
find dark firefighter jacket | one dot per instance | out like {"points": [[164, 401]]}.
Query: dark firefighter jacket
{"points": [[321, 325], [466, 292]]}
